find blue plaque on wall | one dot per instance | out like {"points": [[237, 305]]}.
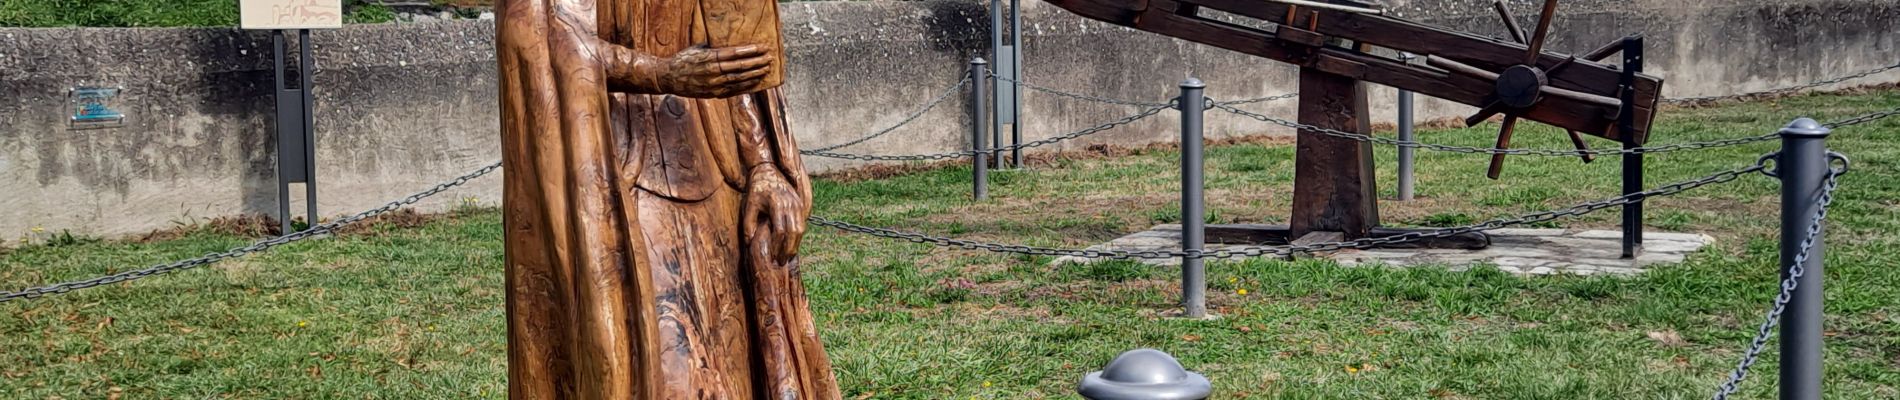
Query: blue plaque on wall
{"points": [[95, 108]]}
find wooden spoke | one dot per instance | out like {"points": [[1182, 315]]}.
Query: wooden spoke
{"points": [[1543, 32], [1510, 21], [1577, 140], [1485, 114], [1504, 142]]}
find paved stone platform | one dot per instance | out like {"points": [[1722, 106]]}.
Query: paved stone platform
{"points": [[1521, 251]]}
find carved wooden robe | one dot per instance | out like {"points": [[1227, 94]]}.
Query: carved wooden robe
{"points": [[636, 266]]}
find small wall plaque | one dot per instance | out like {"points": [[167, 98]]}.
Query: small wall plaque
{"points": [[95, 108], [290, 14]]}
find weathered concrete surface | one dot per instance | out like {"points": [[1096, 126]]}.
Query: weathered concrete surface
{"points": [[1517, 251], [403, 106]]}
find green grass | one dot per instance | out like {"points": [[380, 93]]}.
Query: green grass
{"points": [[416, 313]]}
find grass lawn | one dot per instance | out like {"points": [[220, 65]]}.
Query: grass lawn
{"points": [[415, 312]]}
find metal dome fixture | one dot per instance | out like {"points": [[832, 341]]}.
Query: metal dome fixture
{"points": [[1145, 374]]}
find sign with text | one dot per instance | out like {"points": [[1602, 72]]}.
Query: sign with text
{"points": [[290, 14], [94, 108]]}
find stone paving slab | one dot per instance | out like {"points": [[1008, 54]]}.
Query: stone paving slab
{"points": [[1519, 251]]}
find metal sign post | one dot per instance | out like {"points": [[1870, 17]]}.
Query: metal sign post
{"points": [[1008, 92], [296, 138], [296, 105]]}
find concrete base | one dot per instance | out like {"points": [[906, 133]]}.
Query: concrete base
{"points": [[1519, 251]]}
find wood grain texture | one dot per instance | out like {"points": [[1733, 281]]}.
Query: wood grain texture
{"points": [[1333, 183], [1180, 19], [651, 239]]}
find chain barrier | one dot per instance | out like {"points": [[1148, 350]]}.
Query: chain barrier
{"points": [[1105, 100], [1858, 120], [1144, 114], [1077, 96], [1781, 91], [1788, 286], [256, 247], [1864, 118], [1487, 150], [1258, 251], [947, 93], [1258, 99]]}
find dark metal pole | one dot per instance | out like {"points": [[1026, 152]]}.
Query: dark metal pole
{"points": [[1632, 163], [283, 176], [996, 53], [1193, 201], [1407, 155], [307, 71], [1016, 74], [979, 162], [1803, 168]]}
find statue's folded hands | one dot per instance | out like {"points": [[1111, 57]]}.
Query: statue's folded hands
{"points": [[697, 72]]}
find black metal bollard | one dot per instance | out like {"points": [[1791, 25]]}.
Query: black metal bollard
{"points": [[1803, 168], [1193, 106], [979, 162], [1632, 163], [1145, 374]]}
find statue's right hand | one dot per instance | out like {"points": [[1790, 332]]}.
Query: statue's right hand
{"points": [[704, 72]]}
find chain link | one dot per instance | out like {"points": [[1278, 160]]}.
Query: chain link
{"points": [[1106, 100], [954, 89], [1144, 114], [1788, 286], [1077, 96], [1258, 99], [256, 247], [1774, 92], [1866, 118], [1258, 251], [1486, 150]]}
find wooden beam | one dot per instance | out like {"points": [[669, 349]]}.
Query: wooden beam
{"points": [[1334, 189]]}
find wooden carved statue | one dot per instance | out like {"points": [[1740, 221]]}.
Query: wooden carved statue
{"points": [[654, 204]]}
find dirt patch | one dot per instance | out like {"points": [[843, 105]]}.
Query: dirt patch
{"points": [[404, 218], [250, 226]]}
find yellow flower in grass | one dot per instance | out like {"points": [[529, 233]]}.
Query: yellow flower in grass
{"points": [[1242, 292], [301, 324], [986, 383]]}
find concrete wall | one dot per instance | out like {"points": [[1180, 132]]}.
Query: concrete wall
{"points": [[401, 107]]}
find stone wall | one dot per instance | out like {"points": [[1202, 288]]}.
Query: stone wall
{"points": [[403, 106]]}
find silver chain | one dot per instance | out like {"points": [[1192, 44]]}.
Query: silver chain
{"points": [[1078, 96], [256, 247], [1486, 150], [1788, 286], [1866, 118], [1876, 116], [1790, 89], [971, 153], [1258, 99], [1106, 100], [1258, 251], [954, 89]]}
